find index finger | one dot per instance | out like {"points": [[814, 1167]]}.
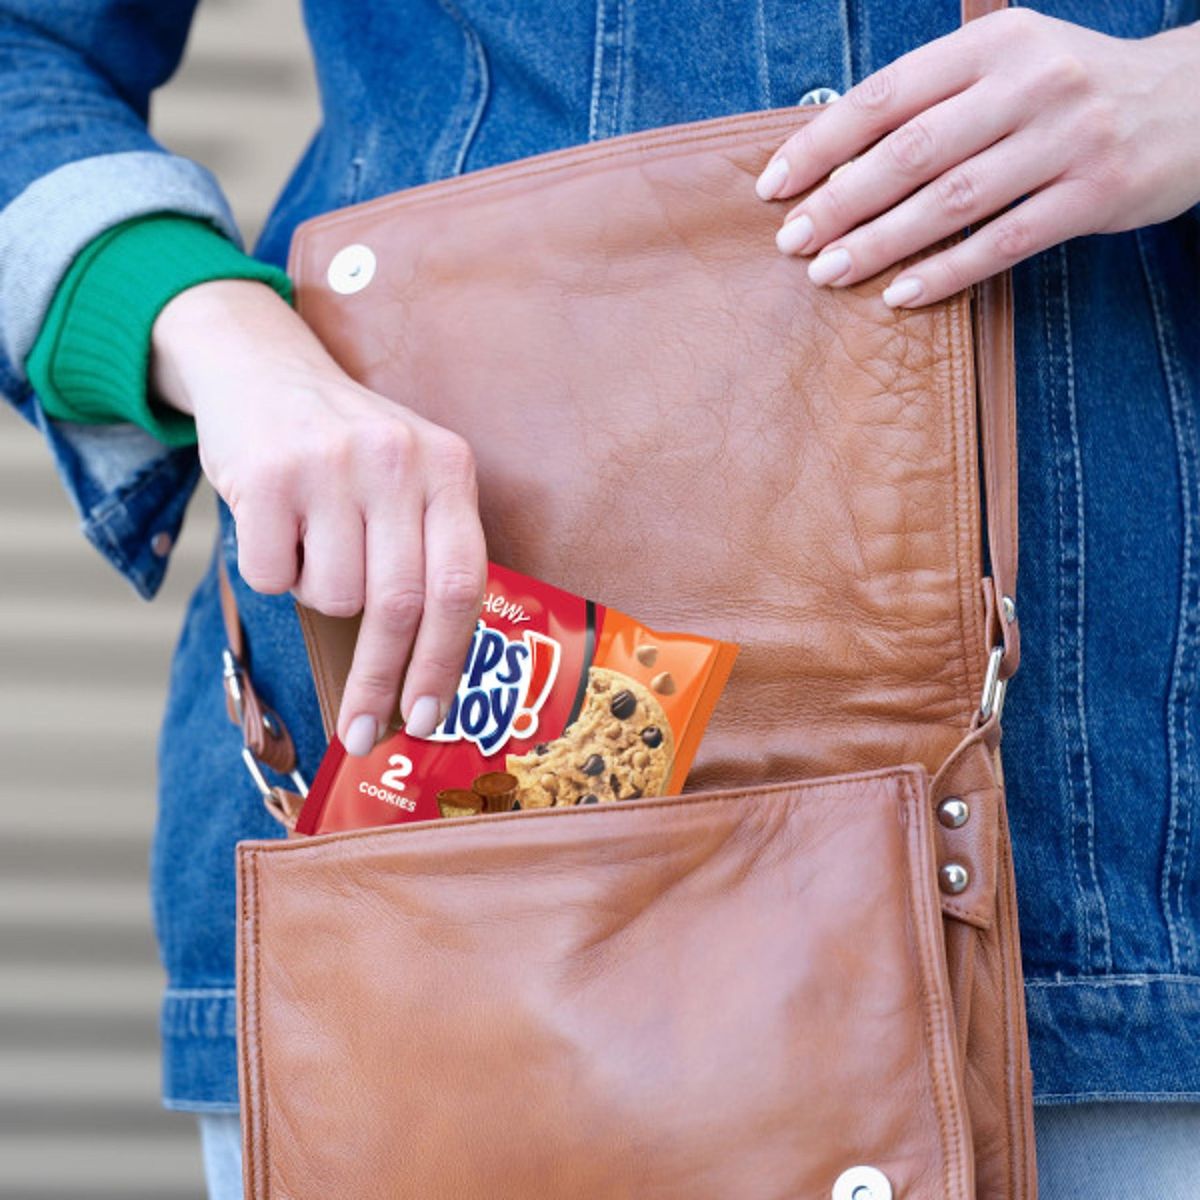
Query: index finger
{"points": [[395, 596], [873, 107], [455, 579]]}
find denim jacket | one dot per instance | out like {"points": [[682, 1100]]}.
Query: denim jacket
{"points": [[1102, 723]]}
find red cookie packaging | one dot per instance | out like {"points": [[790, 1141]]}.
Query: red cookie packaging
{"points": [[562, 701]]}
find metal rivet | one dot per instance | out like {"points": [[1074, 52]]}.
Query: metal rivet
{"points": [[954, 878], [351, 269], [953, 812], [862, 1183], [1009, 609], [818, 95], [161, 544]]}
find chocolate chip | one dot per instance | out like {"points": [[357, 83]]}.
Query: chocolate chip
{"points": [[623, 704], [636, 794], [652, 736], [663, 683], [590, 798], [540, 748], [615, 784], [647, 655], [593, 766]]}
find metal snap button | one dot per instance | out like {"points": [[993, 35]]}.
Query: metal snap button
{"points": [[953, 812], [862, 1183], [351, 269], [818, 95], [954, 878]]}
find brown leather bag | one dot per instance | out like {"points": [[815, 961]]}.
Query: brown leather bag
{"points": [[800, 979]]}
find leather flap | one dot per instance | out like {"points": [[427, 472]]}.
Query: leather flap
{"points": [[669, 418], [606, 1065]]}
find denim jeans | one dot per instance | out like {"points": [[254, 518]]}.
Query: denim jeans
{"points": [[1130, 1151]]}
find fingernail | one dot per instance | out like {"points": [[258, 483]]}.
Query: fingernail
{"points": [[795, 235], [827, 267], [360, 737], [773, 178], [903, 291], [422, 717]]}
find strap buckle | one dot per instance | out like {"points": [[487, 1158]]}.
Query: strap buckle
{"points": [[231, 673], [991, 699], [260, 780]]}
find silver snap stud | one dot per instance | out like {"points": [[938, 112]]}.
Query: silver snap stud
{"points": [[954, 878], [953, 812], [818, 95], [1009, 608], [351, 269], [161, 543], [862, 1183]]}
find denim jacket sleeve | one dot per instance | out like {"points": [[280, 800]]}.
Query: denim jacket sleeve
{"points": [[76, 158]]}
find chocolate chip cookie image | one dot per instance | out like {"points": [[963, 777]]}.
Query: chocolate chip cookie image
{"points": [[620, 747]]}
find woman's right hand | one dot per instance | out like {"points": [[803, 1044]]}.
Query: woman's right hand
{"points": [[350, 500]]}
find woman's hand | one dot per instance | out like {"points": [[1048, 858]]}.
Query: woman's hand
{"points": [[350, 500], [1099, 134]]}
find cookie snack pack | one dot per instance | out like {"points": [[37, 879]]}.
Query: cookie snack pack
{"points": [[562, 701]]}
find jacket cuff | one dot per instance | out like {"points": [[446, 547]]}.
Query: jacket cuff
{"points": [[57, 215], [90, 360]]}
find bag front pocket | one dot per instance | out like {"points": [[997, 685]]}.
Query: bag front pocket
{"points": [[735, 995]]}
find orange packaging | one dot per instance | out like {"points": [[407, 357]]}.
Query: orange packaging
{"points": [[561, 701]]}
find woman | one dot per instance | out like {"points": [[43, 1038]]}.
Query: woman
{"points": [[133, 327]]}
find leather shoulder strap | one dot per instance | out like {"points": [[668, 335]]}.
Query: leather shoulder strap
{"points": [[996, 387], [980, 8]]}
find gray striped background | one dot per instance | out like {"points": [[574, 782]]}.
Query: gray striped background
{"points": [[83, 667]]}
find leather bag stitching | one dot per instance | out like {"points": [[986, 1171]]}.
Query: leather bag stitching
{"points": [[920, 865], [673, 804], [585, 153]]}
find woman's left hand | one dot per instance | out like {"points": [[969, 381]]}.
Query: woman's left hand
{"points": [[1098, 134]]}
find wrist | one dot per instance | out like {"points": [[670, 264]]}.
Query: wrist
{"points": [[1183, 45], [208, 329]]}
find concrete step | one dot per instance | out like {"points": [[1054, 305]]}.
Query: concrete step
{"points": [[89, 1076], [67, 991], [98, 1166], [71, 899], [37, 807]]}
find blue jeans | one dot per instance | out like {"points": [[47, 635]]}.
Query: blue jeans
{"points": [[1108, 1151]]}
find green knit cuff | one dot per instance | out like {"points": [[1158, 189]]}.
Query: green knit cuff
{"points": [[91, 359]]}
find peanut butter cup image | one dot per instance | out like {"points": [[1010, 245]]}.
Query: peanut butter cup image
{"points": [[620, 747]]}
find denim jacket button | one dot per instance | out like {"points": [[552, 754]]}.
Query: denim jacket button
{"points": [[817, 95], [161, 544]]}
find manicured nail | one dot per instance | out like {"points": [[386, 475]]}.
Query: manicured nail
{"points": [[827, 267], [773, 178], [360, 737], [795, 235], [422, 717], [903, 291]]}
